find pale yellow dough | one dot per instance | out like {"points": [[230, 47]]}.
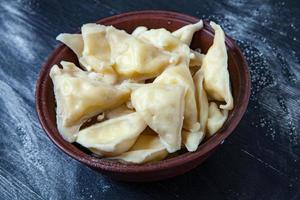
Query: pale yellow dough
{"points": [[74, 41], [147, 148], [117, 112], [96, 52], [114, 136], [161, 106], [216, 118], [202, 101], [133, 58], [182, 76], [216, 75], [185, 34], [81, 95]]}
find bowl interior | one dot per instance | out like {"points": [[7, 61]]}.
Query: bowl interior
{"points": [[239, 75]]}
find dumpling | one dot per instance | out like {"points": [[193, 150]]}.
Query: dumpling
{"points": [[182, 76], [118, 112], [138, 30], [185, 34], [162, 107], [216, 75], [133, 58], [131, 85], [114, 136], [196, 58], [73, 41], [163, 39], [79, 96], [216, 118], [96, 52], [202, 101], [191, 140], [178, 73], [147, 148]]}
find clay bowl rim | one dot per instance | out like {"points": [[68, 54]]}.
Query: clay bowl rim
{"points": [[187, 157]]}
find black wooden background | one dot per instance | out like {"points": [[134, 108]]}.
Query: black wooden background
{"points": [[259, 161]]}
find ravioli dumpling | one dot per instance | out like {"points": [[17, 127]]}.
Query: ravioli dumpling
{"points": [[216, 75], [79, 96], [216, 118], [73, 41], [147, 148], [117, 112], [191, 140], [131, 85], [133, 58], [96, 52], [114, 136], [138, 30], [201, 98], [182, 76], [185, 34], [163, 39], [162, 107], [196, 58]]}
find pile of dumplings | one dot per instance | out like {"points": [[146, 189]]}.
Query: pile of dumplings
{"points": [[151, 93]]}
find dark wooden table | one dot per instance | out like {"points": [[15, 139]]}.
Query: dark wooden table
{"points": [[259, 161]]}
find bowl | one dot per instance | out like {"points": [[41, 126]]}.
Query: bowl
{"points": [[240, 82]]}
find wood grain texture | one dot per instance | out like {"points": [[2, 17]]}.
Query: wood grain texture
{"points": [[259, 161]]}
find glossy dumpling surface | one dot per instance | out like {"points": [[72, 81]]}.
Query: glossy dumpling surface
{"points": [[163, 39], [73, 41], [186, 33], [147, 148], [202, 101], [191, 140], [118, 111], [162, 106], [216, 118], [81, 95], [134, 58], [216, 75], [181, 76], [114, 136], [96, 52], [139, 30], [196, 58]]}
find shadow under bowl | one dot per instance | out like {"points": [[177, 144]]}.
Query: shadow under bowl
{"points": [[203, 39]]}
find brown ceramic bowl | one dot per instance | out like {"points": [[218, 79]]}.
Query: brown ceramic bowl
{"points": [[240, 80]]}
